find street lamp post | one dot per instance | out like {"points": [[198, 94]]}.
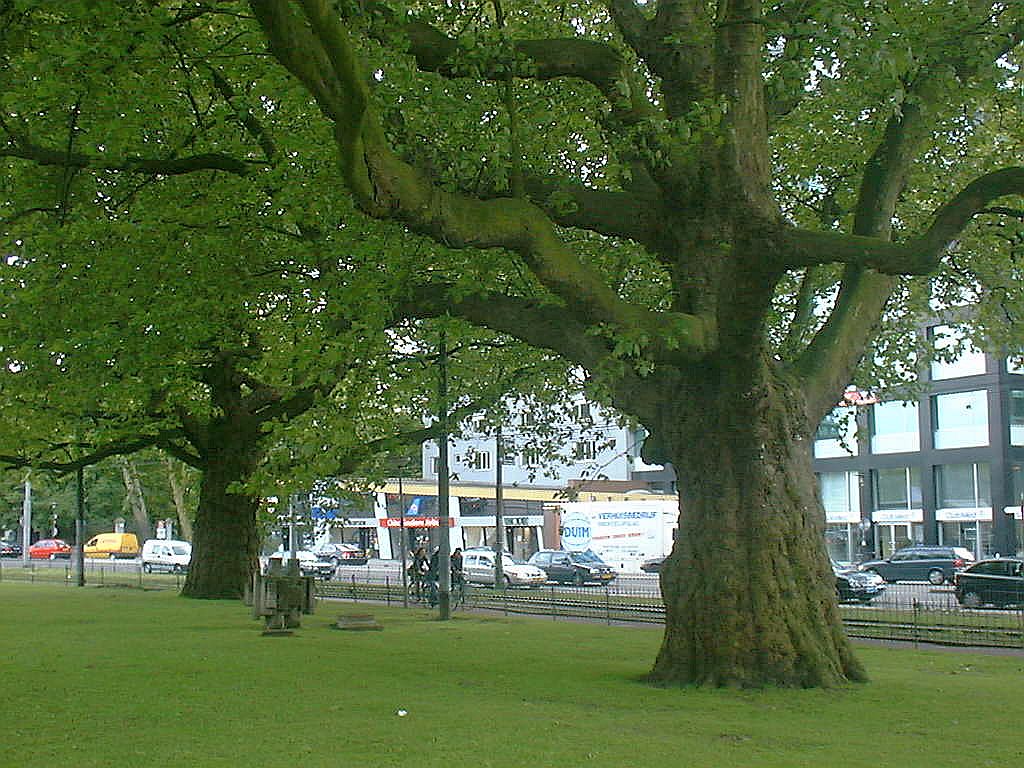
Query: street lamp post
{"points": [[401, 541], [26, 522], [499, 510], [444, 576], [80, 527]]}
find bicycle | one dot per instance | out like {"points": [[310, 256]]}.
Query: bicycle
{"points": [[458, 593], [418, 589]]}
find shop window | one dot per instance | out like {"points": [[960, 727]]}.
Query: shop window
{"points": [[956, 356], [1017, 486], [1017, 417], [894, 427], [961, 419]]}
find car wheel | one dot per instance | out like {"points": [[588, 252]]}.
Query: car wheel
{"points": [[147, 568], [971, 600], [936, 576], [578, 579]]}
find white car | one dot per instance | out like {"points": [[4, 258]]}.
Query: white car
{"points": [[309, 563], [165, 555], [478, 568]]}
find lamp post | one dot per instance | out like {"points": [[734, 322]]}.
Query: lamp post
{"points": [[444, 576], [80, 526], [26, 522], [401, 541], [499, 511]]}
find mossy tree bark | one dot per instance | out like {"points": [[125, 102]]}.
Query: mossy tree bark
{"points": [[749, 593], [225, 543]]}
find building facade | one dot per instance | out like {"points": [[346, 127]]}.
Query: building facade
{"points": [[587, 446], [942, 466]]}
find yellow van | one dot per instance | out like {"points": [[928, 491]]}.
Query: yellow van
{"points": [[111, 545]]}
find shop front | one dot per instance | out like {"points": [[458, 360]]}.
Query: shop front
{"points": [[969, 527], [896, 528], [523, 527], [1016, 515], [414, 520], [843, 534], [344, 521]]}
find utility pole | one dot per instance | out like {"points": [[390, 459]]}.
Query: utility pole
{"points": [[444, 559], [26, 521], [80, 526], [401, 539], [499, 510]]}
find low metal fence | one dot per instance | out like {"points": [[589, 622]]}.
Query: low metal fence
{"points": [[920, 613], [105, 573]]}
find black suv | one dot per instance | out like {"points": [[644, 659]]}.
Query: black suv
{"points": [[577, 568], [920, 562], [999, 582]]}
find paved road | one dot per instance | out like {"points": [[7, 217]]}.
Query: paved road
{"points": [[901, 595]]}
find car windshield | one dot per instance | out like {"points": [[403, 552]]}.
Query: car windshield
{"points": [[179, 550], [587, 557]]}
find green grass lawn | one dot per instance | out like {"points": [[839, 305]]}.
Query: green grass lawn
{"points": [[120, 677]]}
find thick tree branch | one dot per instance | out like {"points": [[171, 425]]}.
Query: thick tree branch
{"points": [[558, 328], [40, 155], [920, 256], [614, 213], [595, 62], [827, 363], [117, 448], [952, 218], [320, 55], [633, 25]]}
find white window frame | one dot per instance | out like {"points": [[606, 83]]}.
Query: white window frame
{"points": [[895, 442], [973, 435]]}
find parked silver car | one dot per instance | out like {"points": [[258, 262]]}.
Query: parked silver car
{"points": [[478, 568], [309, 563]]}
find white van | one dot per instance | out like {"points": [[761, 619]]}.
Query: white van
{"points": [[166, 555]]}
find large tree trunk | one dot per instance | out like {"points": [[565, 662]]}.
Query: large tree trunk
{"points": [[224, 546], [748, 590]]}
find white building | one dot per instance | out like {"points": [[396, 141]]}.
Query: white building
{"points": [[589, 446]]}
